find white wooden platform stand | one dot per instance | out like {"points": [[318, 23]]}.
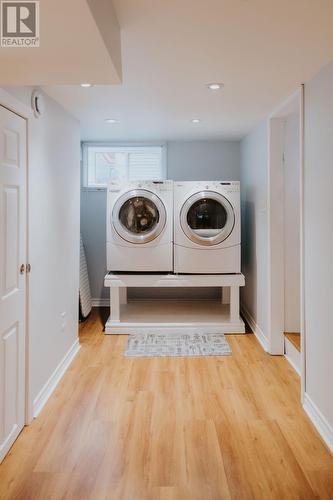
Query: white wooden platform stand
{"points": [[206, 316]]}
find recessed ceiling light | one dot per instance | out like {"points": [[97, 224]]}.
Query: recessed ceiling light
{"points": [[110, 120], [85, 85], [215, 86], [195, 120]]}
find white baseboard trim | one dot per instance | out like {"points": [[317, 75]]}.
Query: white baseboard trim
{"points": [[292, 355], [46, 391], [319, 421], [100, 302], [8, 443], [256, 329]]}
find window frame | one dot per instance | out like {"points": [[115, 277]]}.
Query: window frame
{"points": [[84, 158]]}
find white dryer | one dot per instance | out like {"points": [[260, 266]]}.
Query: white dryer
{"points": [[140, 226], [207, 237]]}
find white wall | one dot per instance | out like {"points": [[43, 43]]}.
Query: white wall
{"points": [[54, 204], [318, 242], [254, 189], [318, 239], [263, 145], [291, 225], [196, 160]]}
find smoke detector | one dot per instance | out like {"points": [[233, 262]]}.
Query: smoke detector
{"points": [[37, 103]]}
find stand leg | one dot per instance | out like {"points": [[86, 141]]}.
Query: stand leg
{"points": [[225, 297], [123, 295], [114, 304], [234, 303]]}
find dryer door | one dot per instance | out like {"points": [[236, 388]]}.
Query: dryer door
{"points": [[207, 218], [139, 216]]}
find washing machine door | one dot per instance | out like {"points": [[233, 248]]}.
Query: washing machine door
{"points": [[139, 216], [207, 218]]}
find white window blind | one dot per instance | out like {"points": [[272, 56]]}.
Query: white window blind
{"points": [[123, 163]]}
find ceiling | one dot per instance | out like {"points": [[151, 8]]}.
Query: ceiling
{"points": [[261, 49], [74, 45]]}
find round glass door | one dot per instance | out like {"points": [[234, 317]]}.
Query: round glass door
{"points": [[139, 216], [207, 218]]}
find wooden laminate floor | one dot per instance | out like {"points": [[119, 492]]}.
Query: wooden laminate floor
{"points": [[295, 339], [173, 428]]}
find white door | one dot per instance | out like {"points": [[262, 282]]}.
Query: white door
{"points": [[13, 152]]}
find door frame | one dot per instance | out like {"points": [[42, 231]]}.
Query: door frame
{"points": [[276, 228], [19, 108]]}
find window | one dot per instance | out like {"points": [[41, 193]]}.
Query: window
{"points": [[124, 163]]}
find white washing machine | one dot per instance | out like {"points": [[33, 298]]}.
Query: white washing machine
{"points": [[207, 237], [140, 226]]}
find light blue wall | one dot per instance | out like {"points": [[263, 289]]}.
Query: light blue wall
{"points": [[204, 160], [254, 179], [197, 160], [93, 230]]}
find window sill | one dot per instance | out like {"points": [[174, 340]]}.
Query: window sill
{"points": [[93, 188]]}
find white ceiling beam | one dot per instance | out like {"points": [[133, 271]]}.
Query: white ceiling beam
{"points": [[105, 17], [78, 43]]}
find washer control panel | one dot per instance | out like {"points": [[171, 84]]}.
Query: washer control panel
{"points": [[155, 186], [226, 186], [229, 186]]}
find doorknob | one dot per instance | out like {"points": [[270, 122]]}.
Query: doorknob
{"points": [[22, 269]]}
